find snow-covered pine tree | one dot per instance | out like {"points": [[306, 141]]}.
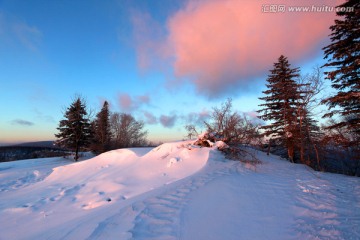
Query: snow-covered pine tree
{"points": [[281, 105], [102, 130], [343, 56], [74, 131]]}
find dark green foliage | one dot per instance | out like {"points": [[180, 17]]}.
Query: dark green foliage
{"points": [[281, 104], [343, 56], [12, 153], [102, 131], [74, 131]]}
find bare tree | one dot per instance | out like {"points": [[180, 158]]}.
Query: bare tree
{"points": [[230, 126], [310, 85], [127, 131], [337, 147], [191, 131]]}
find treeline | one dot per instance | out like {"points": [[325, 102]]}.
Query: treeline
{"points": [[12, 153], [289, 107], [78, 131], [290, 99], [290, 102]]}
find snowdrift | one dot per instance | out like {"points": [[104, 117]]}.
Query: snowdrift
{"points": [[70, 191], [175, 191], [125, 173]]}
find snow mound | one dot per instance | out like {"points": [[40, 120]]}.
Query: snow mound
{"points": [[126, 194], [123, 173], [110, 178]]}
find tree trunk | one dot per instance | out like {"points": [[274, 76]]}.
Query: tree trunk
{"points": [[317, 156], [301, 139], [268, 150], [76, 152], [291, 152], [357, 174]]}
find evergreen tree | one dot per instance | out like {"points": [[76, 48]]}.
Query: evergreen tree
{"points": [[343, 56], [280, 107], [102, 130], [74, 131]]}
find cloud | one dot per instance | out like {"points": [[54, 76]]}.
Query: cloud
{"points": [[144, 99], [43, 117], [129, 103], [150, 118], [22, 122], [222, 46], [197, 118], [126, 102], [253, 116], [29, 36], [168, 121], [149, 41], [13, 30]]}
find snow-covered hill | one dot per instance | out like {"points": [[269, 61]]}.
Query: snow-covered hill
{"points": [[175, 192]]}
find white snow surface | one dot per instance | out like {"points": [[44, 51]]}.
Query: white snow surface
{"points": [[175, 191]]}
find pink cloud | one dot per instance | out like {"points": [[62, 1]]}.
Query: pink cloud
{"points": [[253, 117], [149, 41], [221, 45], [126, 102], [129, 103], [145, 99]]}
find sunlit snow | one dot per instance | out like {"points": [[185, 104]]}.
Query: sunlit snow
{"points": [[175, 191]]}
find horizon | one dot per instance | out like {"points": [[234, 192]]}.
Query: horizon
{"points": [[165, 62]]}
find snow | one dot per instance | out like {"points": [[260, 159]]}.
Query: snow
{"points": [[175, 191], [221, 145]]}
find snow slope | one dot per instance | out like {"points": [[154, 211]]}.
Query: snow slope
{"points": [[175, 191]]}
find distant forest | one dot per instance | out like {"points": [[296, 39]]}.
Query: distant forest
{"points": [[18, 152]]}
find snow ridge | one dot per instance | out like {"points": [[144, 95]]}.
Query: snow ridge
{"points": [[175, 191], [159, 216]]}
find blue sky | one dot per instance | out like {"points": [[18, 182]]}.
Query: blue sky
{"points": [[144, 57]]}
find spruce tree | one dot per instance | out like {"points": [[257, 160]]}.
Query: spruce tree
{"points": [[102, 130], [74, 131], [281, 105], [343, 56]]}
